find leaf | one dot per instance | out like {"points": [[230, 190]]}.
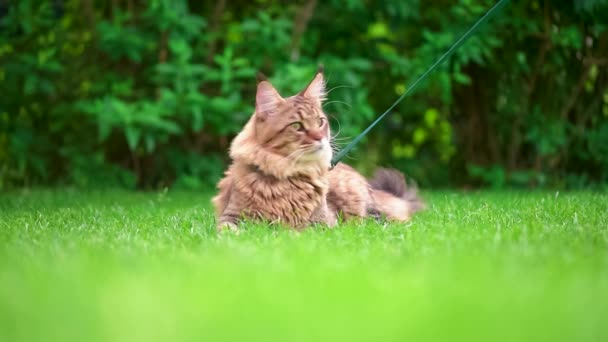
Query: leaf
{"points": [[132, 134], [180, 48], [197, 118], [150, 143], [430, 117], [378, 30], [165, 68], [420, 136], [461, 78], [169, 127], [30, 84], [104, 130]]}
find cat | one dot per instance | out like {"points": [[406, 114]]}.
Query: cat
{"points": [[280, 170]]}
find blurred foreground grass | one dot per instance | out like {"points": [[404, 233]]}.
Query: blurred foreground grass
{"points": [[120, 266]]}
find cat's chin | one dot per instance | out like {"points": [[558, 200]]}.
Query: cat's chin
{"points": [[320, 156]]}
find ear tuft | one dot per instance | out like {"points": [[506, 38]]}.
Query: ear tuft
{"points": [[260, 77], [266, 100], [316, 87]]}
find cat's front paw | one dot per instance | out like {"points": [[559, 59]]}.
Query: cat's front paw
{"points": [[328, 220], [331, 220], [227, 226]]}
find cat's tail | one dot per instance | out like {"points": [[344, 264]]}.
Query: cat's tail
{"points": [[393, 197]]}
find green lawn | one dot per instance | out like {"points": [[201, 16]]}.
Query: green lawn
{"points": [[120, 266]]}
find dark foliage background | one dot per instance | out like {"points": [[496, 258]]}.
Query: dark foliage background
{"points": [[147, 94]]}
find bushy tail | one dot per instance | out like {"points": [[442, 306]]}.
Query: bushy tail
{"points": [[392, 196]]}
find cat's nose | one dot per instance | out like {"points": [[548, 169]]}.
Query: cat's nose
{"points": [[315, 135]]}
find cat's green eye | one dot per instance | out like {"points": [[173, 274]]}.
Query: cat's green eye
{"points": [[297, 126], [321, 121]]}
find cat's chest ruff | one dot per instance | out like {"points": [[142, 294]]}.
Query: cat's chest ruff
{"points": [[292, 200]]}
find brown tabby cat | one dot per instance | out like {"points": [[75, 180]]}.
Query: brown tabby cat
{"points": [[281, 169]]}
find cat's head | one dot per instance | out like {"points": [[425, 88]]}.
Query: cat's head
{"points": [[294, 128]]}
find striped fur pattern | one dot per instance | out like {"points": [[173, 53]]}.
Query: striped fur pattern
{"points": [[280, 169]]}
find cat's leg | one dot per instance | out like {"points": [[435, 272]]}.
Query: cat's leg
{"points": [[229, 218], [324, 215], [220, 201], [228, 205]]}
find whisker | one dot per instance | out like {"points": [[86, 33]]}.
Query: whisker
{"points": [[338, 87], [339, 126], [339, 142], [293, 155], [336, 101]]}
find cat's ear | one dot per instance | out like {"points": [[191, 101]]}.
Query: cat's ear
{"points": [[266, 100], [316, 87]]}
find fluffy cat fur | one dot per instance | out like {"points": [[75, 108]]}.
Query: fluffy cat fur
{"points": [[280, 169]]}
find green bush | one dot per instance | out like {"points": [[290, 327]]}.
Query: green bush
{"points": [[148, 94]]}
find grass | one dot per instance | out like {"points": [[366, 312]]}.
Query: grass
{"points": [[120, 266]]}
